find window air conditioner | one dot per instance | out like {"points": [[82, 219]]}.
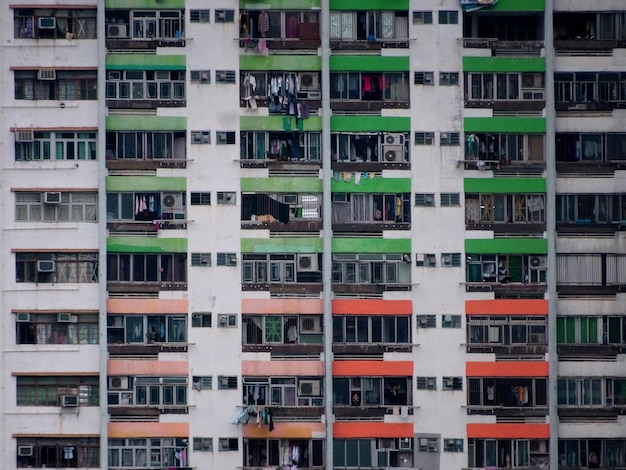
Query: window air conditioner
{"points": [[394, 139], [24, 136], [46, 74], [52, 198], [117, 30], [310, 324], [446, 260], [538, 262], [46, 22], [25, 451], [393, 153], [67, 318], [118, 383], [307, 263], [114, 75], [69, 401], [23, 318], [173, 203], [46, 266], [309, 388]]}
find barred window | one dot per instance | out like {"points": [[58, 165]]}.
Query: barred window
{"points": [[200, 137], [228, 443], [448, 17], [428, 260], [429, 444], [225, 76], [200, 199], [203, 444], [202, 382], [449, 199], [56, 206], [202, 77], [451, 321], [426, 321], [201, 319], [453, 383], [227, 382], [451, 260], [227, 259], [448, 78], [200, 16], [453, 445], [424, 138], [426, 383], [424, 78], [224, 16], [422, 17], [450, 139], [201, 259], [225, 137], [425, 199]]}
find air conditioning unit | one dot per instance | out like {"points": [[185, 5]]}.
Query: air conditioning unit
{"points": [[393, 153], [52, 198], [67, 318], [69, 401], [310, 324], [538, 262], [46, 266], [307, 263], [114, 75], [46, 74], [172, 202], [310, 81], [117, 30], [23, 318], [446, 260], [309, 388], [24, 136], [313, 95], [46, 22], [196, 386], [394, 139], [118, 383], [25, 451], [387, 444]]}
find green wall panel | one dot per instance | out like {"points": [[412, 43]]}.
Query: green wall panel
{"points": [[372, 63], [277, 123], [377, 184], [369, 4], [280, 62], [145, 62], [511, 125], [146, 245], [504, 185], [518, 5], [145, 4], [145, 183], [507, 246], [282, 185], [280, 4], [281, 245], [371, 245], [145, 123], [369, 124], [504, 64]]}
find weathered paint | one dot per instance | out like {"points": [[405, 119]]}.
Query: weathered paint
{"points": [[147, 429], [146, 123], [507, 246], [281, 245], [507, 369], [372, 307], [504, 185], [372, 63], [147, 368], [288, 63], [282, 306], [277, 123], [367, 429], [504, 64], [372, 368], [145, 62], [377, 184], [282, 368], [507, 431], [511, 125], [150, 306], [280, 184], [146, 245], [369, 124], [371, 245], [506, 307], [145, 183]]}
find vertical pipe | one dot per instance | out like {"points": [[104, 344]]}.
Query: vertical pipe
{"points": [[551, 233], [327, 258]]}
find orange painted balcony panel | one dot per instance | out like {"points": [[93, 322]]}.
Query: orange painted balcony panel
{"points": [[372, 307], [282, 368], [147, 367], [507, 431], [298, 430], [372, 368], [148, 429], [282, 306], [507, 369], [506, 307], [144, 306], [372, 429]]}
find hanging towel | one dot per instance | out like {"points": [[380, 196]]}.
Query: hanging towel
{"points": [[357, 178], [404, 411], [347, 177]]}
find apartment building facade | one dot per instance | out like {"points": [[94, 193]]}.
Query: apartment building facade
{"points": [[322, 233]]}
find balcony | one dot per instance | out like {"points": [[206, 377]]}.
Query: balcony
{"points": [[507, 396], [371, 398], [146, 273], [146, 212], [369, 30], [144, 30], [591, 397], [279, 30], [270, 453], [287, 273], [146, 335], [590, 273], [518, 35], [588, 33], [145, 89], [525, 274], [505, 213], [293, 212], [372, 273], [146, 396], [369, 91], [371, 212], [283, 335], [370, 152], [283, 152], [137, 151]]}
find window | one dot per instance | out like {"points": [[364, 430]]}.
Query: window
{"points": [[369, 208], [200, 199], [226, 198], [371, 268], [282, 329], [225, 137], [51, 145], [507, 330], [147, 267], [279, 145], [422, 17], [55, 85], [227, 259], [145, 85], [451, 260], [65, 267], [283, 391], [159, 145], [200, 16], [203, 444], [372, 25], [427, 383], [54, 23], [590, 453], [227, 320], [148, 391], [449, 199], [56, 206], [453, 445], [579, 330], [226, 76], [508, 392], [380, 86], [450, 139], [451, 321], [202, 382], [226, 382], [448, 78], [428, 260], [49, 452], [448, 17], [200, 137], [47, 390], [486, 453], [371, 329], [142, 329], [372, 391], [54, 328], [269, 453], [424, 138], [426, 321], [379, 147], [224, 16], [424, 78], [201, 319], [228, 443], [429, 444], [452, 383], [146, 25], [201, 259], [200, 77], [511, 208], [147, 453], [425, 199]]}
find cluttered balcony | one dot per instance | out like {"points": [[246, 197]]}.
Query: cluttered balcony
{"points": [[144, 30], [262, 31], [291, 212]]}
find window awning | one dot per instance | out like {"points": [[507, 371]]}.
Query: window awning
{"points": [[473, 5]]}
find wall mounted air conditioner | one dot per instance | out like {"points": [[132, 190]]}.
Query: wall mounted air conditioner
{"points": [[24, 136], [309, 388], [118, 383], [405, 443], [394, 139], [67, 318], [69, 401], [25, 451], [309, 81], [46, 266], [46, 74], [23, 318], [52, 198], [393, 153], [538, 262], [46, 22], [307, 263], [310, 324], [117, 30]]}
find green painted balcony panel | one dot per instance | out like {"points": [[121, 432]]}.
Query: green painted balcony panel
{"points": [[510, 125], [518, 5], [287, 63], [374, 63], [371, 245], [145, 62], [377, 184], [145, 4], [507, 246], [504, 64], [504, 185], [279, 123], [145, 183], [146, 245], [281, 245], [281, 185], [369, 124], [369, 5], [280, 4], [145, 123]]}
